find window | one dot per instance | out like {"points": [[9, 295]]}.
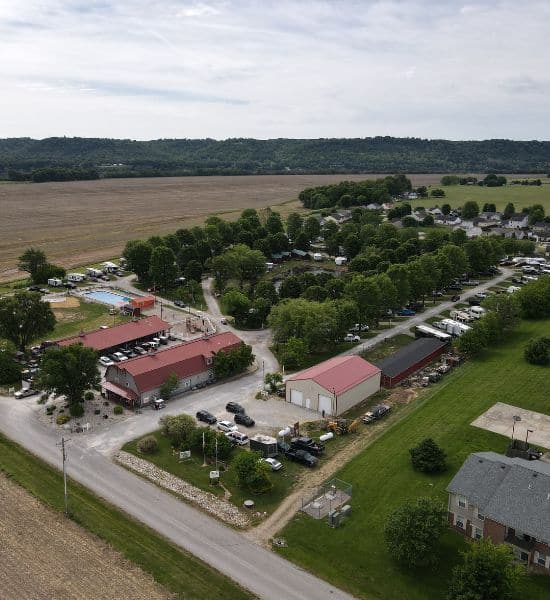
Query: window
{"points": [[209, 360], [541, 559], [480, 516], [524, 556], [478, 533], [462, 502], [459, 521]]}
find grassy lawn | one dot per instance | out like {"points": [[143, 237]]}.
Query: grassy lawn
{"points": [[181, 573], [520, 195], [193, 472], [87, 316], [354, 557]]}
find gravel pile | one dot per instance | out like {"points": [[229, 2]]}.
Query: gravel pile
{"points": [[217, 507]]}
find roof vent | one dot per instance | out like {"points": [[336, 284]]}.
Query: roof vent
{"points": [[502, 466]]}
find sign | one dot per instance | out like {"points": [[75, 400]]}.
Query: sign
{"points": [[214, 474], [186, 454]]}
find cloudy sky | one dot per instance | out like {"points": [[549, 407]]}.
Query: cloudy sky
{"points": [[148, 69]]}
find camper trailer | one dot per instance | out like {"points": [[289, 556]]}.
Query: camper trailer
{"points": [[461, 316], [94, 272], [317, 256], [340, 260], [76, 277], [55, 282], [427, 331]]}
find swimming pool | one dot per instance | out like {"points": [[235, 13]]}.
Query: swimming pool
{"points": [[107, 297]]}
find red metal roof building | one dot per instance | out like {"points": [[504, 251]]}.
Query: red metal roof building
{"points": [[132, 332], [139, 379], [335, 385]]}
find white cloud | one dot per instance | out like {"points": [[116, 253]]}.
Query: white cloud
{"points": [[313, 68]]}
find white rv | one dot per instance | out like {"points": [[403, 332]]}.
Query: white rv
{"points": [[93, 272], [55, 282], [76, 277]]}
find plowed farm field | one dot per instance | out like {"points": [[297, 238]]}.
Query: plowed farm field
{"points": [[83, 222], [44, 556]]}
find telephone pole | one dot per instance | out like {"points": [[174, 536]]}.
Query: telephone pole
{"points": [[64, 453]]}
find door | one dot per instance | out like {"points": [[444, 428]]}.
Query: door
{"points": [[296, 397], [308, 403], [325, 404]]}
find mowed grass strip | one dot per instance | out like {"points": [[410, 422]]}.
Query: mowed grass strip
{"points": [[354, 557], [180, 572]]}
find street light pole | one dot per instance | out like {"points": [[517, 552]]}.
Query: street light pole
{"points": [[527, 435], [516, 419], [64, 454]]}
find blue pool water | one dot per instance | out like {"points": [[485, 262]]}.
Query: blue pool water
{"points": [[107, 297]]}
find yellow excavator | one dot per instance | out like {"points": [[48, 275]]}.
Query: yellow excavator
{"points": [[343, 426]]}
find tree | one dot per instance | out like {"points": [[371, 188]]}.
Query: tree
{"points": [[413, 530], [236, 304], [437, 193], [291, 287], [365, 293], [302, 241], [24, 318], [352, 245], [428, 221], [537, 351], [470, 210], [274, 223], [450, 180], [509, 210], [294, 224], [211, 442], [252, 472], [178, 428], [169, 386], [138, 257], [48, 271], [399, 274], [293, 353], [32, 260], [312, 228], [231, 362], [428, 457], [489, 572], [533, 298], [273, 381], [472, 342], [163, 270], [10, 371], [69, 371], [193, 270], [506, 308], [489, 207], [266, 289], [446, 209]]}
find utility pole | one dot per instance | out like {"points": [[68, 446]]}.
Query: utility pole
{"points": [[64, 453]]}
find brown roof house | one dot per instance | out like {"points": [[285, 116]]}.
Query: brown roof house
{"points": [[507, 500], [138, 380]]}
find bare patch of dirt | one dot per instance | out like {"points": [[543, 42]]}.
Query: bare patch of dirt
{"points": [[43, 555]]}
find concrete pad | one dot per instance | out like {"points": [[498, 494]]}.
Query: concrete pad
{"points": [[499, 419]]}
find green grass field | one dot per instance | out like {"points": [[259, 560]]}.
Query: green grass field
{"points": [[193, 472], [181, 573], [354, 557], [520, 195]]}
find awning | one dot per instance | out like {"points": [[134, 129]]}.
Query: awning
{"points": [[119, 391]]}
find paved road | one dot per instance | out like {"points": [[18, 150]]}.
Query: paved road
{"points": [[261, 571]]}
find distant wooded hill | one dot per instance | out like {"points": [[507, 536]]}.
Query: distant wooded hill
{"points": [[126, 158]]}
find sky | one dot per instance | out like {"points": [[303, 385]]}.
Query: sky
{"points": [[144, 69]]}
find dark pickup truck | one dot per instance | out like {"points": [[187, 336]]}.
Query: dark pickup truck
{"points": [[301, 456], [306, 443]]}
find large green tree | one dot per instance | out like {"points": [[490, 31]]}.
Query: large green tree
{"points": [[252, 472], [24, 317], [489, 572], [470, 209], [163, 269], [10, 371], [32, 260], [294, 224], [138, 256], [69, 371], [413, 530]]}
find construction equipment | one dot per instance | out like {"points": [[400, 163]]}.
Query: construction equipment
{"points": [[343, 426]]}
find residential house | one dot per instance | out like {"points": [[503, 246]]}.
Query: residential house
{"points": [[491, 216], [471, 232], [506, 500], [518, 221], [542, 230], [373, 206], [435, 211]]}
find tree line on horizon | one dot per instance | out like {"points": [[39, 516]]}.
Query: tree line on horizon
{"points": [[20, 157]]}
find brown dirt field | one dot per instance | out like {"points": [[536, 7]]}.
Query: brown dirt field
{"points": [[68, 302], [83, 222], [43, 556]]}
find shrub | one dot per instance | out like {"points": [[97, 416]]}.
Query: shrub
{"points": [[89, 395], [118, 410], [148, 445], [43, 398], [537, 351], [76, 409], [178, 428], [62, 419], [428, 457]]}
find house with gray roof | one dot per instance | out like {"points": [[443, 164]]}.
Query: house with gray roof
{"points": [[506, 500]]}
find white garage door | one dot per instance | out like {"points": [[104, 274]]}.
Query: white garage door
{"points": [[296, 397], [325, 404]]}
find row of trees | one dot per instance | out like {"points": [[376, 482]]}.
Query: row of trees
{"points": [[490, 180], [536, 212], [35, 263], [54, 174]]}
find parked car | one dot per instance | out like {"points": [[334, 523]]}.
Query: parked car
{"points": [[405, 312], [206, 417], [481, 295], [376, 413], [69, 285], [226, 426], [455, 298], [140, 350], [350, 337], [121, 357], [163, 339], [243, 419], [301, 456], [106, 361], [237, 437], [437, 294], [455, 286], [26, 392], [359, 327], [306, 443], [473, 301], [179, 303], [234, 407], [470, 282], [273, 463], [114, 358], [223, 321]]}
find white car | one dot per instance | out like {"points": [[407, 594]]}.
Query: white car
{"points": [[121, 357], [106, 361], [273, 463], [237, 437], [350, 337], [227, 426]]}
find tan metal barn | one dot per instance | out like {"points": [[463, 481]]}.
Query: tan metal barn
{"points": [[334, 386]]}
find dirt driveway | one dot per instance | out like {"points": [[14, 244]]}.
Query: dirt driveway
{"points": [[499, 419]]}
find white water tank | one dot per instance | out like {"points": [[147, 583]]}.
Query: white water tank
{"points": [[326, 436]]}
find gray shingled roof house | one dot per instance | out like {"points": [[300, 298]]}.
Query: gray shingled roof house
{"points": [[506, 499]]}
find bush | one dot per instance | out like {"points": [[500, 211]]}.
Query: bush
{"points": [[88, 396], [148, 445], [178, 428], [428, 457], [537, 351], [76, 409], [43, 399], [118, 410], [62, 419]]}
